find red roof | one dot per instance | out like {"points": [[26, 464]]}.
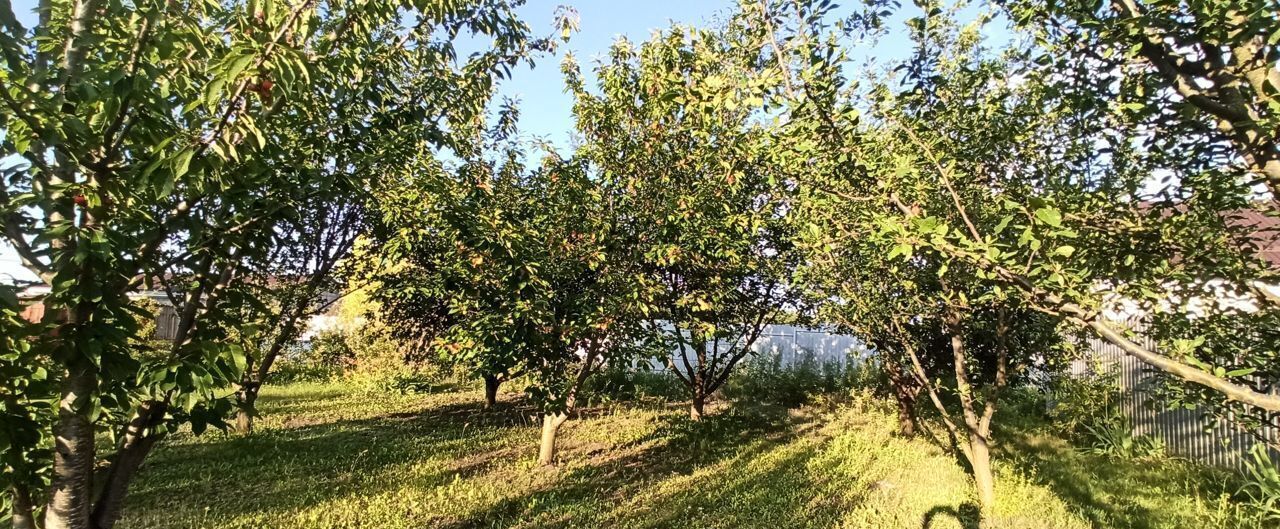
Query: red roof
{"points": [[1265, 231]]}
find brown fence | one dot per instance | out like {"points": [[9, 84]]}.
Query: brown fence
{"points": [[166, 323], [1185, 433]]}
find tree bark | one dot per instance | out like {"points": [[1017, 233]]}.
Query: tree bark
{"points": [[491, 384], [244, 421], [979, 451], [697, 407], [905, 392], [253, 378], [550, 430], [74, 456], [246, 396], [983, 478], [23, 516], [551, 422], [135, 445], [906, 416]]}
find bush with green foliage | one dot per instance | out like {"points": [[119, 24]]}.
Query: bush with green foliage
{"points": [[381, 364], [1262, 483], [1075, 400], [764, 378], [1086, 406], [320, 360], [624, 383], [1112, 435]]}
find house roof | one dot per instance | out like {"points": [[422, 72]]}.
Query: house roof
{"points": [[1264, 231]]}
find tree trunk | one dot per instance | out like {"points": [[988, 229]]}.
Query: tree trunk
{"points": [[244, 422], [551, 421], [983, 479], [905, 392], [697, 408], [979, 452], [134, 447], [550, 430], [254, 377], [491, 383], [906, 417], [23, 511], [245, 399], [74, 456]]}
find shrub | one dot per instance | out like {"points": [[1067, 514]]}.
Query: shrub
{"points": [[1078, 400], [1086, 406], [622, 383], [364, 357], [1262, 483], [289, 370], [763, 378], [323, 358], [329, 349], [1112, 435]]}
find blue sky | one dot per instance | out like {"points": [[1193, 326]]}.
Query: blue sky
{"points": [[544, 106]]}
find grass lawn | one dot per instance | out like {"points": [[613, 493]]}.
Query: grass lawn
{"points": [[326, 457]]}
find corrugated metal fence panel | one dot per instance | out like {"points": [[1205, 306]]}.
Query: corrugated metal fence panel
{"points": [[1185, 433], [791, 345]]}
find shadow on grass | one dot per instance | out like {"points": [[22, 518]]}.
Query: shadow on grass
{"points": [[289, 469], [1111, 491], [705, 463], [968, 515]]}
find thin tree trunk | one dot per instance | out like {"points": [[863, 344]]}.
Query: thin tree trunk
{"points": [[906, 417], [244, 421], [697, 409], [74, 452], [953, 431], [134, 447], [74, 456], [491, 384], [980, 439], [904, 394], [700, 380], [979, 451], [983, 478], [23, 511], [246, 396], [551, 422], [253, 378], [550, 430]]}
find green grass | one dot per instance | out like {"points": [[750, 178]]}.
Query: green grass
{"points": [[327, 457]]}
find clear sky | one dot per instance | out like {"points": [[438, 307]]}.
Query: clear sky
{"points": [[544, 106]]}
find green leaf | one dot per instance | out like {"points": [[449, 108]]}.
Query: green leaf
{"points": [[1049, 216], [181, 164], [1240, 372], [238, 66]]}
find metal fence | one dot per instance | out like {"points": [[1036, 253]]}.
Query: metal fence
{"points": [[791, 345], [1185, 433]]}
